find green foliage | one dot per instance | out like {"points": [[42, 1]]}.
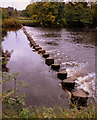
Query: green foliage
{"points": [[53, 112], [9, 12], [59, 14], [12, 102], [47, 13], [94, 13], [78, 15]]}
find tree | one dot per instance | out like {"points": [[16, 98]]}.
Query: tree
{"points": [[94, 13], [78, 15], [47, 13]]}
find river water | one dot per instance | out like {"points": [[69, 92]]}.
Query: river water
{"points": [[74, 49]]}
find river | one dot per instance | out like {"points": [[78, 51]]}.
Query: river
{"points": [[74, 49]]}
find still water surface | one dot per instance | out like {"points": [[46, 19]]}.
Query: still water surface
{"points": [[42, 86], [73, 49]]}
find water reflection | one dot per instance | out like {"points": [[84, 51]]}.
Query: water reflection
{"points": [[4, 33]]}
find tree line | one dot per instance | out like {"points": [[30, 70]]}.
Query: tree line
{"points": [[9, 12], [57, 14]]}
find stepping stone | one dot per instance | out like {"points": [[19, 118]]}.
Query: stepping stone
{"points": [[49, 61], [68, 83], [55, 66], [79, 97], [33, 43], [45, 55], [37, 48], [30, 39], [62, 75], [41, 51], [28, 36]]}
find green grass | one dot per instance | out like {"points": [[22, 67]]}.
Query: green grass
{"points": [[24, 18]]}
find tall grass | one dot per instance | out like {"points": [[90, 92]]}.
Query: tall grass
{"points": [[56, 112], [11, 24]]}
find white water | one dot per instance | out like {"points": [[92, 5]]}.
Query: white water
{"points": [[83, 80]]}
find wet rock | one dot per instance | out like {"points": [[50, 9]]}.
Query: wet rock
{"points": [[49, 61], [68, 84], [41, 51], [62, 75], [55, 66], [37, 48], [79, 97], [45, 55]]}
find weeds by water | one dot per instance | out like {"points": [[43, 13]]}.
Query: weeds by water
{"points": [[11, 24], [56, 112], [14, 107]]}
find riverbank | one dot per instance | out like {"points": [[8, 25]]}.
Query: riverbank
{"points": [[11, 24], [56, 112]]}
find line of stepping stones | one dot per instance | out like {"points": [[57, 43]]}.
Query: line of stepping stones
{"points": [[78, 97]]}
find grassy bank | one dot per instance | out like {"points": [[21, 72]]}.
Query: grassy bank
{"points": [[57, 112], [28, 22], [11, 24]]}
